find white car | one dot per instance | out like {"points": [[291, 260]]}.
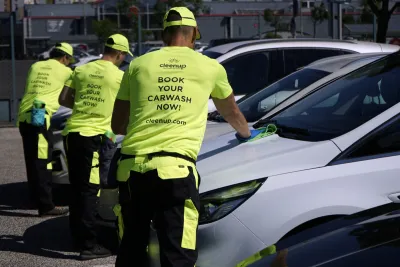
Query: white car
{"points": [[259, 104], [253, 65], [336, 152]]}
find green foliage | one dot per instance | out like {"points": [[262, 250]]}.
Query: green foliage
{"points": [[348, 19], [268, 15], [272, 35], [366, 17], [319, 14], [104, 28]]}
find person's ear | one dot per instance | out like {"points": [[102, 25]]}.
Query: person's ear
{"points": [[194, 35]]}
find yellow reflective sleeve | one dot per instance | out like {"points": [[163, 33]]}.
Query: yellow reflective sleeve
{"points": [[124, 89], [94, 172], [173, 172], [43, 147], [49, 166], [190, 222], [222, 87], [258, 256], [98, 194]]}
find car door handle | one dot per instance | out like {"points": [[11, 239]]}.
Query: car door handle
{"points": [[395, 198]]}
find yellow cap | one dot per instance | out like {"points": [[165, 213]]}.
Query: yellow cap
{"points": [[118, 42], [187, 16], [67, 49]]}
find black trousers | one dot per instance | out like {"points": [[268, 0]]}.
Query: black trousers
{"points": [[83, 170], [38, 148], [173, 205]]}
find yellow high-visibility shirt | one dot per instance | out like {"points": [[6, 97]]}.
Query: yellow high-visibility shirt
{"points": [[168, 92], [96, 85], [45, 81]]}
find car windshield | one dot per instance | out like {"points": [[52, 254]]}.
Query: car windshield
{"points": [[258, 104], [344, 104], [212, 54]]}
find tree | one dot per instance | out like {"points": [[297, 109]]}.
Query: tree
{"points": [[274, 18], [383, 14], [104, 28], [348, 19], [318, 15]]}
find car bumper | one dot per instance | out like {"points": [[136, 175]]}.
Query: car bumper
{"points": [[221, 244], [59, 160]]}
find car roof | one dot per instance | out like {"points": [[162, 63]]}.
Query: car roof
{"points": [[354, 45], [332, 64]]}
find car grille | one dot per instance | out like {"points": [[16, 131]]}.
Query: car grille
{"points": [[56, 161]]}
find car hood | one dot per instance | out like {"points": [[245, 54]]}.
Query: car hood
{"points": [[216, 129], [223, 161]]}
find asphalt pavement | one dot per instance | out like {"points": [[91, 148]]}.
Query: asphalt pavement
{"points": [[26, 239]]}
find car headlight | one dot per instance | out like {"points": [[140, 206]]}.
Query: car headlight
{"points": [[216, 204]]}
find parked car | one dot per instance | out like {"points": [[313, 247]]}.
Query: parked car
{"points": [[335, 153], [253, 65], [370, 239], [257, 105]]}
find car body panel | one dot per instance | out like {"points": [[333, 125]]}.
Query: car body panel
{"points": [[263, 157], [352, 245]]}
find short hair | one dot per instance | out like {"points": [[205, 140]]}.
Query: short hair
{"points": [[172, 31], [57, 53]]}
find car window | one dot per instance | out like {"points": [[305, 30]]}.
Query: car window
{"points": [[251, 72], [257, 105], [296, 58], [385, 141], [347, 103]]}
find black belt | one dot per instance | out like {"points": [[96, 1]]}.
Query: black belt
{"points": [[161, 154]]}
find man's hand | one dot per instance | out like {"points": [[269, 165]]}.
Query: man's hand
{"points": [[67, 97], [231, 113]]}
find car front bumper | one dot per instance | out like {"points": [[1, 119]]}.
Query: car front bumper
{"points": [[59, 160], [223, 243]]}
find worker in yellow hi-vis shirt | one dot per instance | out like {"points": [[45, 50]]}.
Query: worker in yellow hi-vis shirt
{"points": [[162, 108], [44, 84], [91, 93]]}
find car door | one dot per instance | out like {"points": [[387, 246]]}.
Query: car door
{"points": [[295, 58], [371, 165], [250, 72]]}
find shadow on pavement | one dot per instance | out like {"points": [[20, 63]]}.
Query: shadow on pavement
{"points": [[48, 239], [51, 239], [15, 196]]}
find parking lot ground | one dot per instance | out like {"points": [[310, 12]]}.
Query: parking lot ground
{"points": [[25, 239]]}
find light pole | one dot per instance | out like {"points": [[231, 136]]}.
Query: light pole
{"points": [[14, 93], [84, 18]]}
